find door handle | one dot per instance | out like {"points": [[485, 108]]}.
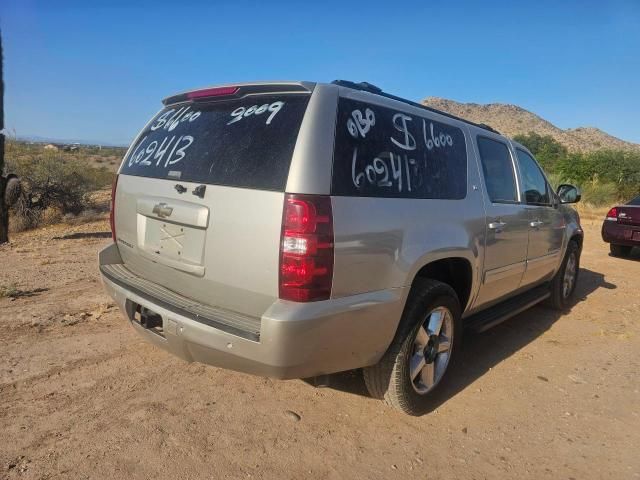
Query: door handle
{"points": [[497, 226], [536, 224]]}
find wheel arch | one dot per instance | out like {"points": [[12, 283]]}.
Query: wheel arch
{"points": [[457, 272], [577, 237]]}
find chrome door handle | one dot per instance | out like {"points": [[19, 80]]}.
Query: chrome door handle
{"points": [[536, 224], [497, 226]]}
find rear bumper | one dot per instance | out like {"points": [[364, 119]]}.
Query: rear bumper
{"points": [[620, 234], [296, 340]]}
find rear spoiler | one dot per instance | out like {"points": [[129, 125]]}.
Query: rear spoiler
{"points": [[230, 92]]}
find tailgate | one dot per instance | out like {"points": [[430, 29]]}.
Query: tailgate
{"points": [[199, 199]]}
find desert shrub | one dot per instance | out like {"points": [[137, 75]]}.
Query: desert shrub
{"points": [[10, 290], [602, 172], [598, 194], [54, 184]]}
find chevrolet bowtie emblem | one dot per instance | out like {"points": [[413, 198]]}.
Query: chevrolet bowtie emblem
{"points": [[162, 210]]}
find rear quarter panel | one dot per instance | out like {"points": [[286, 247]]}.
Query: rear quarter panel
{"points": [[383, 243]]}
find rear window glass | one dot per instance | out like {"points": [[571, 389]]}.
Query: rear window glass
{"points": [[382, 152], [635, 201], [246, 142]]}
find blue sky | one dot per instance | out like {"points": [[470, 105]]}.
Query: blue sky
{"points": [[97, 70]]}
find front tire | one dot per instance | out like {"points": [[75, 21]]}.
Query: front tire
{"points": [[620, 250], [414, 370]]}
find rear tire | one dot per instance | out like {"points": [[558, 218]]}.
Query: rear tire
{"points": [[412, 373], [564, 282], [620, 250]]}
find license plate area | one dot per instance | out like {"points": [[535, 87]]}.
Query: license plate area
{"points": [[636, 236], [172, 232], [172, 244], [174, 241]]}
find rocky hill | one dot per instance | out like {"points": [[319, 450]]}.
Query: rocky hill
{"points": [[512, 120]]}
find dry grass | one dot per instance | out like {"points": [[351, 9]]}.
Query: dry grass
{"points": [[590, 213], [9, 290]]}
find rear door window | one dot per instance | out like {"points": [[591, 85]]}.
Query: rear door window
{"points": [[383, 152], [497, 167], [245, 142]]}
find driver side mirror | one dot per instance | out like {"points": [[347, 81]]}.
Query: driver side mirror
{"points": [[568, 193]]}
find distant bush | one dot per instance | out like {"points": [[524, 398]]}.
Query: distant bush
{"points": [[597, 194], [604, 167], [53, 185], [604, 176], [547, 150]]}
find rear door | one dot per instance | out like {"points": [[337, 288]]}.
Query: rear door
{"points": [[507, 224], [200, 195], [546, 222]]}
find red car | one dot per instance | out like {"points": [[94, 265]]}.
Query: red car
{"points": [[621, 228]]}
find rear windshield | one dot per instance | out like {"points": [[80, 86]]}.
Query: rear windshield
{"points": [[635, 201], [381, 152], [245, 142]]}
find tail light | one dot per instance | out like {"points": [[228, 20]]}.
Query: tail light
{"points": [[306, 248], [612, 214], [112, 210]]}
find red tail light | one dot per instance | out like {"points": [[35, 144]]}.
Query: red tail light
{"points": [[306, 248], [612, 214], [112, 210]]}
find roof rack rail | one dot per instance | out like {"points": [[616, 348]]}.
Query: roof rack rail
{"points": [[368, 87]]}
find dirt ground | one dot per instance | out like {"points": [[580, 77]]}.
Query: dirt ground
{"points": [[543, 395]]}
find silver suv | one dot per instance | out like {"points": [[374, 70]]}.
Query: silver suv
{"points": [[297, 229]]}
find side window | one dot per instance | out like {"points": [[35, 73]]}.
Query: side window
{"points": [[498, 171], [536, 189], [383, 152]]}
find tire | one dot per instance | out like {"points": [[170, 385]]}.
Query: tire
{"points": [[561, 293], [620, 250], [390, 378]]}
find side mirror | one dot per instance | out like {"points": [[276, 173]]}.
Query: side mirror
{"points": [[568, 193]]}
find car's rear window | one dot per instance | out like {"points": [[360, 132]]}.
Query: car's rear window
{"points": [[382, 152], [244, 142], [635, 201]]}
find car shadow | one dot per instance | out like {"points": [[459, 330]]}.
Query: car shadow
{"points": [[634, 255], [481, 352]]}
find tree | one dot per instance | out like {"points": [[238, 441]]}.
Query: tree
{"points": [[547, 150], [4, 208]]}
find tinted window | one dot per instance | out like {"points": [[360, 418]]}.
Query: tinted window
{"points": [[381, 152], [498, 170], [244, 143], [534, 185], [635, 201]]}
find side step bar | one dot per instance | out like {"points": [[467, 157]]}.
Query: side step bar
{"points": [[491, 317]]}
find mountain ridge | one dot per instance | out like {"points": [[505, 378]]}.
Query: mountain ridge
{"points": [[512, 120]]}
